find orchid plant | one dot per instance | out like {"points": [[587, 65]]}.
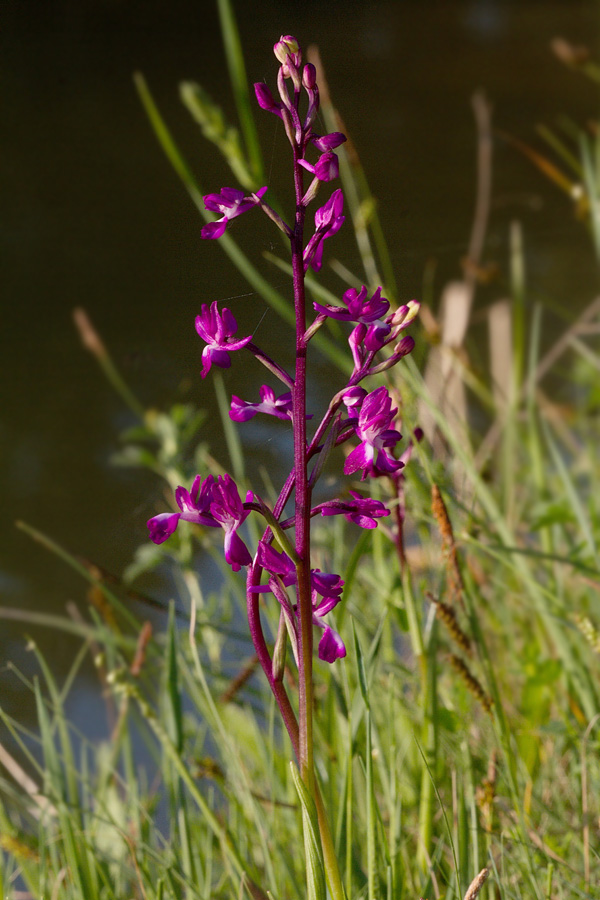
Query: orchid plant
{"points": [[281, 562]]}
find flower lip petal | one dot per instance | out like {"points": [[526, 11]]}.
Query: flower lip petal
{"points": [[331, 646], [328, 141], [161, 527], [213, 230], [327, 167], [265, 98], [236, 552]]}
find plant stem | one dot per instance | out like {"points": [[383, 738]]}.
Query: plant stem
{"points": [[302, 493]]}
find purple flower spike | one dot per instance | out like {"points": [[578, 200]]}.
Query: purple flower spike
{"points": [[229, 512], [230, 203], [217, 329], [373, 429], [361, 510], [281, 406]]}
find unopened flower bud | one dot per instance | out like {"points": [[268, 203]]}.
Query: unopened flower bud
{"points": [[287, 45], [265, 98], [309, 77], [279, 650], [403, 347], [353, 398], [404, 315]]}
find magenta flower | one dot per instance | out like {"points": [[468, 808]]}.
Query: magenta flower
{"points": [[217, 329], [287, 49], [403, 348], [328, 221], [329, 587], [326, 591], [353, 399], [402, 317], [327, 141], [361, 510], [373, 429], [213, 503], [229, 512], [194, 506], [356, 341], [281, 406], [266, 100], [331, 646], [276, 563], [309, 77], [230, 203], [366, 311], [326, 168]]}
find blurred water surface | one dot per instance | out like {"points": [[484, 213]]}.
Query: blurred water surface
{"points": [[94, 217]]}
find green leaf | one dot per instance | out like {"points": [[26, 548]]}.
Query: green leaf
{"points": [[315, 867], [362, 672]]}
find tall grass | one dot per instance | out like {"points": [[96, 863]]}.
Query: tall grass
{"points": [[459, 734]]}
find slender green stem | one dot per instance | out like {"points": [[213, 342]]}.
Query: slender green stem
{"points": [[332, 870]]}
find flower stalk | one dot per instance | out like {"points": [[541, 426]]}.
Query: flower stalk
{"points": [[305, 594], [302, 492]]}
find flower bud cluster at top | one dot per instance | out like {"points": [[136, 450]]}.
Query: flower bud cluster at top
{"points": [[352, 413]]}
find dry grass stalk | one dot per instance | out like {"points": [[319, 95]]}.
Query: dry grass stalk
{"points": [[588, 630], [41, 803], [442, 376], [501, 352], [144, 638], [18, 848], [477, 884], [485, 793], [89, 336], [440, 513], [580, 326], [239, 681], [471, 682], [447, 615], [97, 599]]}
